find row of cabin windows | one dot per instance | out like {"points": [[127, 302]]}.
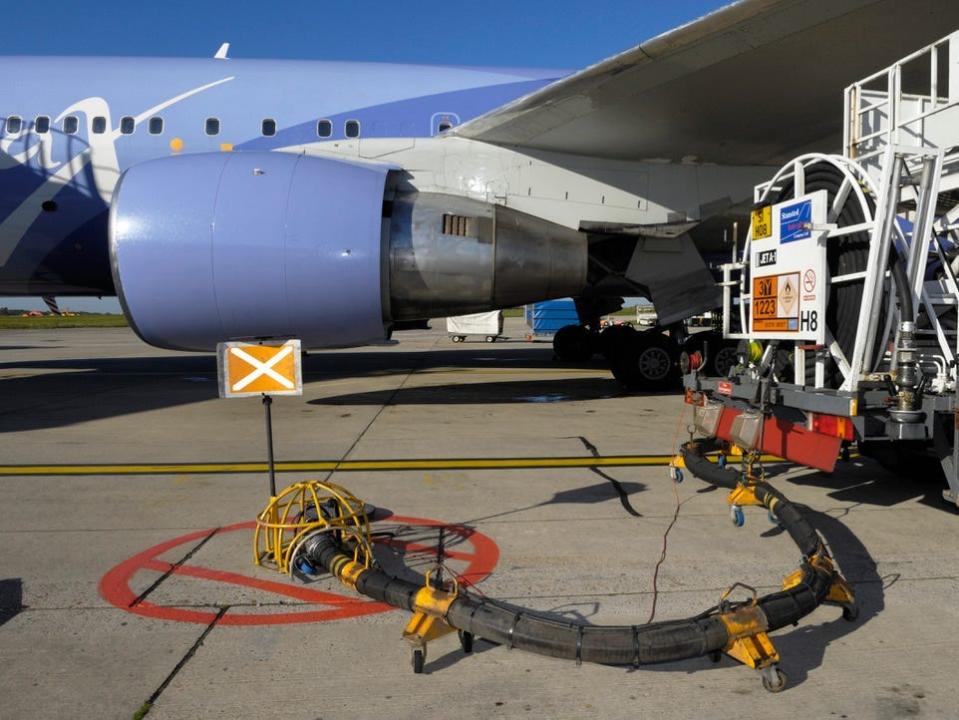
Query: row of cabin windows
{"points": [[98, 125]]}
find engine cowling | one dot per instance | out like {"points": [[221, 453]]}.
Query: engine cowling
{"points": [[213, 247]]}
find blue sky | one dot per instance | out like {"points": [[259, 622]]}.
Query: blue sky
{"points": [[538, 33], [534, 33]]}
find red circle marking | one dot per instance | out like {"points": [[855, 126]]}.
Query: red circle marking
{"points": [[809, 281], [115, 585]]}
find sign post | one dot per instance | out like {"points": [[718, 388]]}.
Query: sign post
{"points": [[266, 369], [268, 404]]}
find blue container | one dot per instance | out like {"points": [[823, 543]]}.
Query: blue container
{"points": [[545, 318]]}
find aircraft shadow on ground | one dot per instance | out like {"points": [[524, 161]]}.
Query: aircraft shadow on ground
{"points": [[485, 393], [69, 391]]}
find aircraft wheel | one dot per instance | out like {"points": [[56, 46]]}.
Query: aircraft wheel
{"points": [[612, 339], [572, 343], [648, 362]]}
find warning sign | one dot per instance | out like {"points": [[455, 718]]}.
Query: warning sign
{"points": [[788, 301], [787, 269], [470, 554], [259, 368], [776, 303]]}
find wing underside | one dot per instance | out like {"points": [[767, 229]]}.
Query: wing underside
{"points": [[753, 83]]}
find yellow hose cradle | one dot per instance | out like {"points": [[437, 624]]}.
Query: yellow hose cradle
{"points": [[748, 641], [747, 627], [430, 608], [743, 495], [840, 591]]}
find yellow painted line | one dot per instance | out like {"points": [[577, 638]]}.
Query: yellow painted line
{"points": [[347, 465]]}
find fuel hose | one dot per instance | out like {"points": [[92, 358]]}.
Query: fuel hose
{"points": [[665, 641]]}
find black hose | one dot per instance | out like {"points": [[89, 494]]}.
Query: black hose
{"points": [[906, 309], [530, 630]]}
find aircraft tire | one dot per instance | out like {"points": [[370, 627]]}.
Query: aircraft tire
{"points": [[572, 343], [648, 362]]}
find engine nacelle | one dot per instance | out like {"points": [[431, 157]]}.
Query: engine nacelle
{"points": [[228, 246], [212, 247]]}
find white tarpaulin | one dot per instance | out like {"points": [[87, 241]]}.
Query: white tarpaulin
{"points": [[487, 323]]}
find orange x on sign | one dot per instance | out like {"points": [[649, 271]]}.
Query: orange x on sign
{"points": [[259, 368]]}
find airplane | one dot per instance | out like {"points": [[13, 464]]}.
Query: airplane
{"points": [[225, 199]]}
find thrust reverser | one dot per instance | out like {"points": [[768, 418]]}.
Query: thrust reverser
{"points": [[211, 247]]}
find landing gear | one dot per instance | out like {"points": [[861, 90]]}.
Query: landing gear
{"points": [[573, 343], [645, 361]]}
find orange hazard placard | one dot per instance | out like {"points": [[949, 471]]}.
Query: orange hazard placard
{"points": [[259, 368], [775, 303]]}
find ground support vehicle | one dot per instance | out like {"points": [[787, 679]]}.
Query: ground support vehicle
{"points": [[488, 325], [847, 288]]}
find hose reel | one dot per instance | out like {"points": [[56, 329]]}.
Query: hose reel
{"points": [[851, 215]]}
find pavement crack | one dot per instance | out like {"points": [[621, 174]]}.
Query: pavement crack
{"points": [[156, 583], [145, 708]]}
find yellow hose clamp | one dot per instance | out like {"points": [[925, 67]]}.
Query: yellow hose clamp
{"points": [[350, 573], [746, 628], [840, 591], [724, 598], [743, 495], [434, 600], [430, 607]]}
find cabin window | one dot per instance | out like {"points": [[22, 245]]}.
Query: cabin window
{"points": [[155, 126], [324, 128], [71, 125], [42, 124], [127, 125], [212, 126], [268, 127], [444, 126], [352, 128], [14, 125], [98, 125]]}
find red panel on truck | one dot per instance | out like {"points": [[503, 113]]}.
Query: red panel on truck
{"points": [[790, 441]]}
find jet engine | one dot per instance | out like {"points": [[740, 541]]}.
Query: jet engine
{"points": [[212, 247]]}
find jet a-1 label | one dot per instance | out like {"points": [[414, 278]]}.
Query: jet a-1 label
{"points": [[766, 257]]}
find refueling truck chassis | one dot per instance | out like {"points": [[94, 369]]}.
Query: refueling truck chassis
{"points": [[846, 288]]}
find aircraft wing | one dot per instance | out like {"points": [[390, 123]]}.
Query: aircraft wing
{"points": [[754, 83]]}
